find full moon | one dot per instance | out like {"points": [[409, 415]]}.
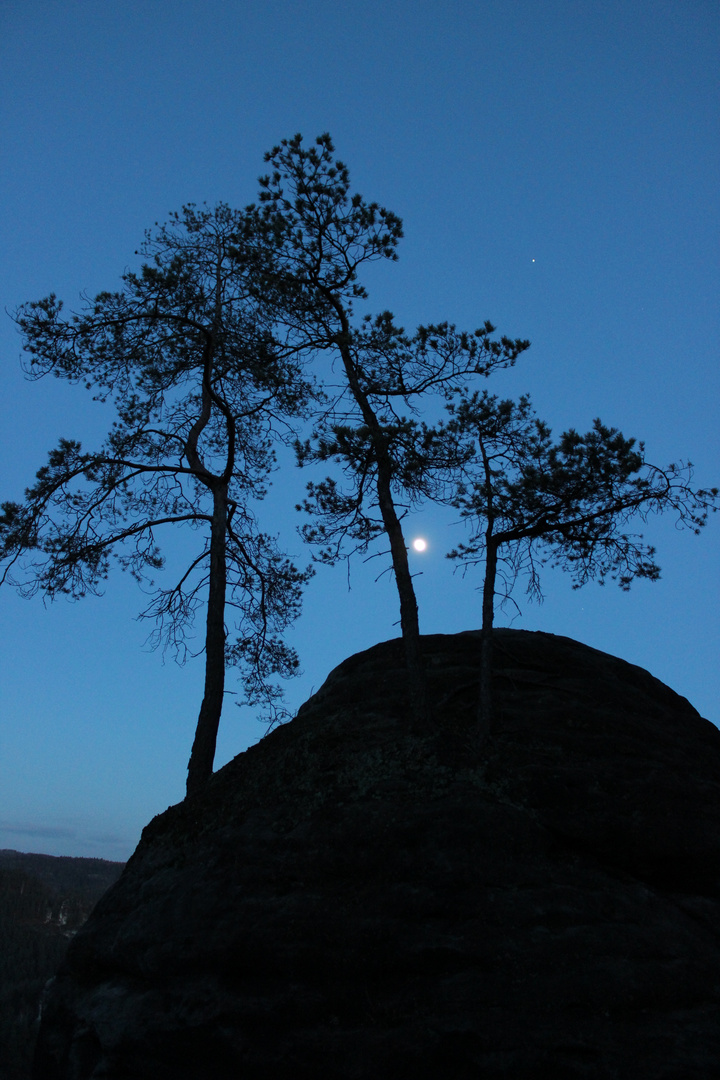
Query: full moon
{"points": [[419, 544]]}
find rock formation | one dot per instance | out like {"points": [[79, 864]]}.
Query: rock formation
{"points": [[351, 899], [44, 900]]}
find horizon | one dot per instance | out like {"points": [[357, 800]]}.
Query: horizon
{"points": [[44, 855]]}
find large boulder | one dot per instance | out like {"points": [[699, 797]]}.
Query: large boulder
{"points": [[353, 898]]}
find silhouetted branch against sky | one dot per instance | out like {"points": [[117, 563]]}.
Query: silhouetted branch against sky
{"points": [[185, 351], [327, 236], [529, 499]]}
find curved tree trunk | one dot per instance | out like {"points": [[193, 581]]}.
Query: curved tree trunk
{"points": [[409, 622], [202, 757]]}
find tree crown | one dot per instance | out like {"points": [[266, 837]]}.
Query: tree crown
{"points": [[202, 388], [567, 502]]}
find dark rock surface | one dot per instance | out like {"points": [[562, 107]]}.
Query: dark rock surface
{"points": [[44, 900], [352, 900]]}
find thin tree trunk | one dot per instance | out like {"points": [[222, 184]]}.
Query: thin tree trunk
{"points": [[485, 697], [409, 622], [202, 757]]}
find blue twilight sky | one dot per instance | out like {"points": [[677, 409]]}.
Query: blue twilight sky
{"points": [[556, 167]]}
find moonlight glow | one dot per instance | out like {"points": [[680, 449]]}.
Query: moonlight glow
{"points": [[419, 544]]}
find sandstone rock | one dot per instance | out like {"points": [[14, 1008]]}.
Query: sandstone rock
{"points": [[349, 899]]}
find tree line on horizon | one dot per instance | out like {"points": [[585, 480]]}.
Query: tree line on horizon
{"points": [[240, 334]]}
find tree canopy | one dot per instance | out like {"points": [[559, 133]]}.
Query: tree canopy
{"points": [[367, 424], [204, 354], [530, 500], [202, 389]]}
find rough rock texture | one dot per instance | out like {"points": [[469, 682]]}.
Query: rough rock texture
{"points": [[353, 900]]}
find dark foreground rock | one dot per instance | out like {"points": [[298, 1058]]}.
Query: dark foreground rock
{"points": [[353, 900], [44, 900]]}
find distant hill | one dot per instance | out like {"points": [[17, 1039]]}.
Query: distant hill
{"points": [[44, 900]]}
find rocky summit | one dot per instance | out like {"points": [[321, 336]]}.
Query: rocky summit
{"points": [[353, 898]]}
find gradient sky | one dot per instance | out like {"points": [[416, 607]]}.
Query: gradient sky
{"points": [[556, 169]]}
